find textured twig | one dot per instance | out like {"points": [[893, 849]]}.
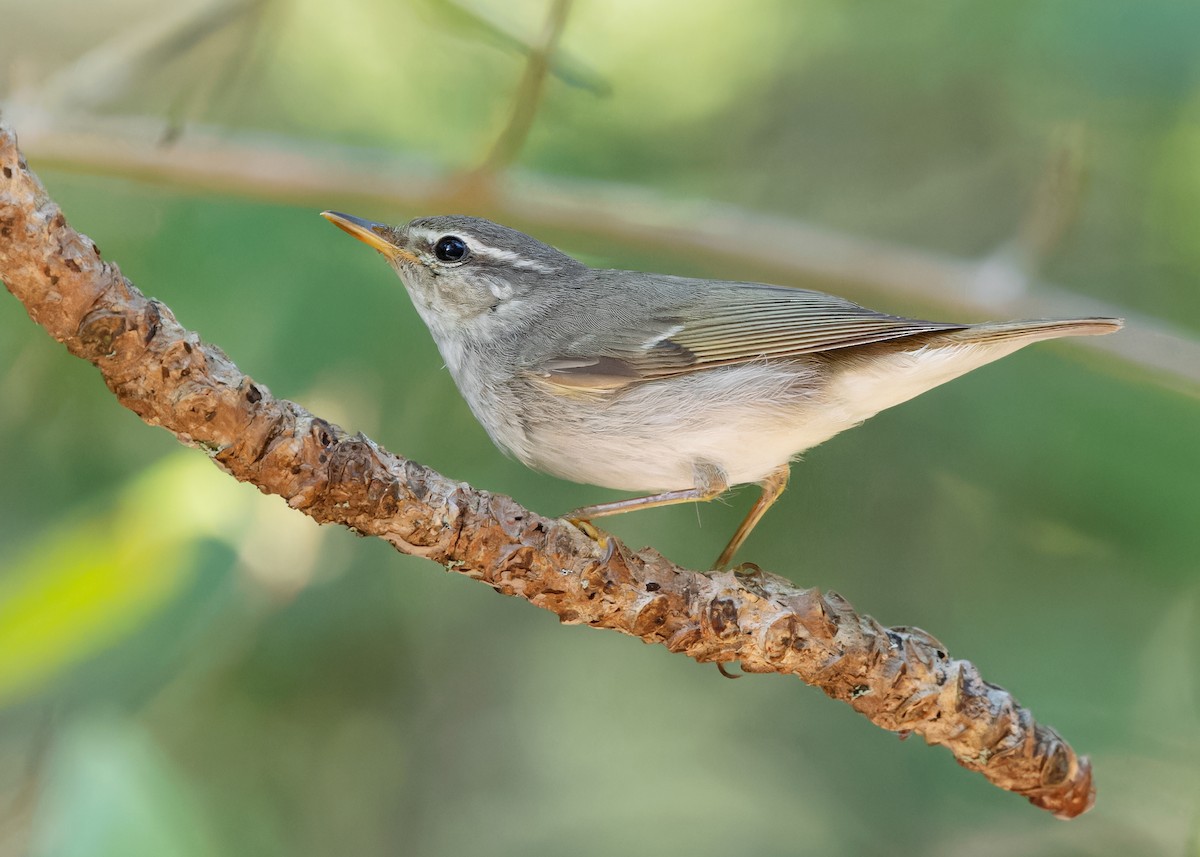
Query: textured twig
{"points": [[900, 678]]}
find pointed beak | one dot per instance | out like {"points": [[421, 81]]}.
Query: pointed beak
{"points": [[370, 233]]}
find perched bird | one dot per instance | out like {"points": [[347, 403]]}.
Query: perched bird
{"points": [[654, 383]]}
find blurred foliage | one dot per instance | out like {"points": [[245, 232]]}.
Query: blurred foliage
{"points": [[189, 668]]}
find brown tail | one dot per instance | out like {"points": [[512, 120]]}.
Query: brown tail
{"points": [[1036, 329]]}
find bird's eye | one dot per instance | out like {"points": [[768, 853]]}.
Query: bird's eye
{"points": [[450, 248]]}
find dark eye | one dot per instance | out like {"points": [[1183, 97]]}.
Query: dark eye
{"points": [[450, 248]]}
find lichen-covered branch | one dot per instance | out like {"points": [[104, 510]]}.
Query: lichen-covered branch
{"points": [[900, 678]]}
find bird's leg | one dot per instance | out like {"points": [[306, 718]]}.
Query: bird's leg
{"points": [[710, 483], [772, 487]]}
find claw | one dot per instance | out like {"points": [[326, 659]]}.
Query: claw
{"points": [[598, 536], [747, 569], [724, 672]]}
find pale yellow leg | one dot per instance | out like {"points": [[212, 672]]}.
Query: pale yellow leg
{"points": [[710, 483], [653, 501], [772, 487]]}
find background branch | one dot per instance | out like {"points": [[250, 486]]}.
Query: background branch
{"points": [[900, 678], [725, 237], [528, 94]]}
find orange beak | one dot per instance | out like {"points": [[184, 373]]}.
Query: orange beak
{"points": [[370, 233]]}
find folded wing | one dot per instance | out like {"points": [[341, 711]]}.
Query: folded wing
{"points": [[724, 324]]}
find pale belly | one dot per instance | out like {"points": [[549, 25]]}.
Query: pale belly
{"points": [[745, 420]]}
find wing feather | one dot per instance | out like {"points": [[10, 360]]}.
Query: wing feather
{"points": [[719, 324]]}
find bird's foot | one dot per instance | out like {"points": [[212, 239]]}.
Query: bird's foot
{"points": [[747, 569], [726, 673], [597, 535]]}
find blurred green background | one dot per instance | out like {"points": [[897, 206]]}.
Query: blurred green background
{"points": [[189, 668]]}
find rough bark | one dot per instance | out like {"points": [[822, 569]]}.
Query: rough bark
{"points": [[900, 678]]}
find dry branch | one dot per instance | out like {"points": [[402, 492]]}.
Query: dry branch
{"points": [[900, 678]]}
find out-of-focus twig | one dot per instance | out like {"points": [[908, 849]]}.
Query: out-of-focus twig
{"points": [[901, 678], [528, 93], [227, 79], [18, 804], [476, 20], [1013, 270], [106, 72], [1056, 196]]}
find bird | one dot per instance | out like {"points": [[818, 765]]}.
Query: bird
{"points": [[671, 387]]}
